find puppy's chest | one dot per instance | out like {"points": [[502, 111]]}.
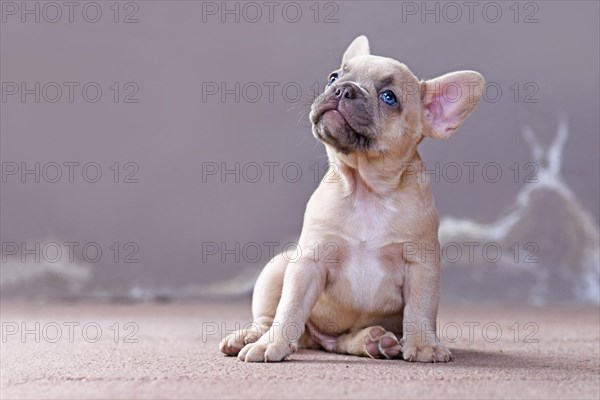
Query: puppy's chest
{"points": [[367, 279], [369, 275]]}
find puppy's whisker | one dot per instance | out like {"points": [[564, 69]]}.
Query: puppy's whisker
{"points": [[302, 114], [302, 141]]}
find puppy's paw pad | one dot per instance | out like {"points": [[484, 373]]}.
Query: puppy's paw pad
{"points": [[382, 344], [389, 346]]}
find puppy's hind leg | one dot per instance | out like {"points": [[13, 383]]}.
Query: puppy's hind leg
{"points": [[374, 342], [265, 298]]}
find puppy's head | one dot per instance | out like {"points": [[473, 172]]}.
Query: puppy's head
{"points": [[376, 104]]}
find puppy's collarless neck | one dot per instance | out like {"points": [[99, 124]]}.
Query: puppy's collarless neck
{"points": [[379, 175]]}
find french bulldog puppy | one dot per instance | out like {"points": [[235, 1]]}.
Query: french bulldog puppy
{"points": [[365, 277]]}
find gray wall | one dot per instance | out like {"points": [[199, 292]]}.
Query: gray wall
{"points": [[170, 56]]}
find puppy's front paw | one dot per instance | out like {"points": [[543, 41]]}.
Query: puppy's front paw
{"points": [[232, 344], [262, 351], [415, 350]]}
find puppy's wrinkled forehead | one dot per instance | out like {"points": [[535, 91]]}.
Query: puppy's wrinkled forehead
{"points": [[374, 72]]}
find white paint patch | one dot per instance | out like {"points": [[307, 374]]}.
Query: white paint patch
{"points": [[549, 178], [15, 271]]}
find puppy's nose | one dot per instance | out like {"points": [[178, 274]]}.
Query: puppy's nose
{"points": [[346, 91]]}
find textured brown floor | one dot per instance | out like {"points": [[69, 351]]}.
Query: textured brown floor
{"points": [[171, 359]]}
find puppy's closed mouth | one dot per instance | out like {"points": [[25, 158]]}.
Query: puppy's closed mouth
{"points": [[332, 127]]}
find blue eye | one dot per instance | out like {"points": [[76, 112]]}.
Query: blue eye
{"points": [[388, 97]]}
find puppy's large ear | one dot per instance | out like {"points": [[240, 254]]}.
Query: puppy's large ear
{"points": [[358, 47], [448, 100]]}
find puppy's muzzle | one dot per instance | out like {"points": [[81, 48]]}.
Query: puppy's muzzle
{"points": [[341, 117]]}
